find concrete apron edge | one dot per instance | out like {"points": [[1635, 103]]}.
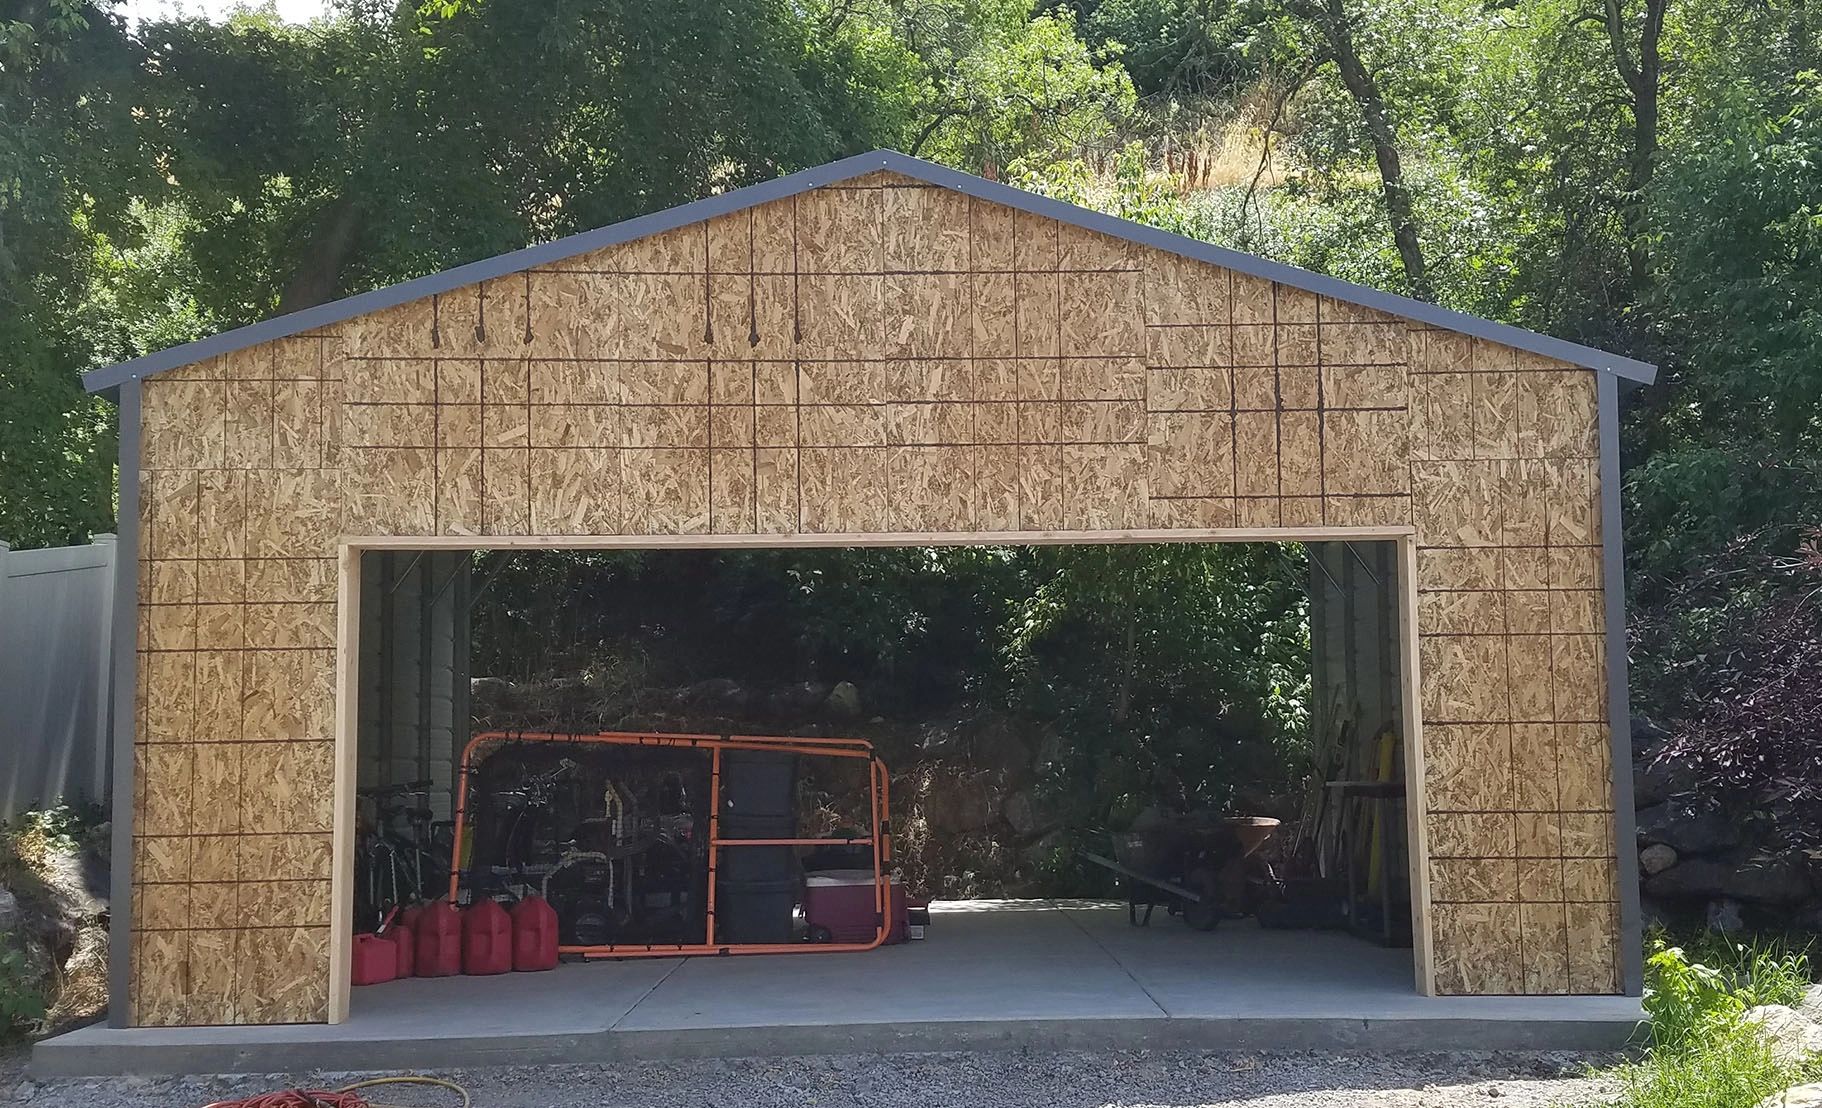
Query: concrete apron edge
{"points": [[222, 1054]]}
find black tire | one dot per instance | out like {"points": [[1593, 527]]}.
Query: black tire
{"points": [[1205, 915], [821, 935]]}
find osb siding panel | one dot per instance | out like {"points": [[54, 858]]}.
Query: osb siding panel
{"points": [[879, 357], [1507, 511]]}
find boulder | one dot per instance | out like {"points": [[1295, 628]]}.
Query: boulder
{"points": [[1046, 849], [1797, 1096], [1654, 783], [723, 693], [1050, 754], [960, 803], [998, 746], [1810, 1007], [844, 700], [1779, 880], [800, 698], [1646, 736], [1726, 916], [938, 740], [1687, 830], [1776, 881], [1657, 858], [1791, 1037], [1030, 813]]}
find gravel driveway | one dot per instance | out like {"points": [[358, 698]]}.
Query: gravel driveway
{"points": [[952, 1080]]}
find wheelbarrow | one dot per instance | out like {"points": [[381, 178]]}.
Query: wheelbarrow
{"points": [[1191, 869]]}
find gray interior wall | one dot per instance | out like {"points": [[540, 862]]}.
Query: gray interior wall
{"points": [[413, 670], [1354, 658]]}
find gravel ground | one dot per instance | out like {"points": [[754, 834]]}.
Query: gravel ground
{"points": [[962, 1080]]}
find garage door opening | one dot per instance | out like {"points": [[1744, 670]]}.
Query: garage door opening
{"points": [[1118, 778]]}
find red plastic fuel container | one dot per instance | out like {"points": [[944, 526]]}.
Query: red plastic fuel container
{"points": [[534, 935], [486, 939], [376, 959], [439, 940], [406, 944]]}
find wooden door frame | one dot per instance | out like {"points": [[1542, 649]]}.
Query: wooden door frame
{"points": [[347, 669]]}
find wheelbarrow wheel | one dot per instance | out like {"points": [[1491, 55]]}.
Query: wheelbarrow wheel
{"points": [[1205, 914]]}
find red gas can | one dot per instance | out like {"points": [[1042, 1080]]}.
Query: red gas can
{"points": [[406, 944], [439, 940], [486, 939], [376, 959], [534, 935]]}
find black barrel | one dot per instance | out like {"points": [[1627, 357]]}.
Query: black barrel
{"points": [[759, 790], [758, 801], [755, 911]]}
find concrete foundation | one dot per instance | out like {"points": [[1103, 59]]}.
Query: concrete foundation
{"points": [[991, 975]]}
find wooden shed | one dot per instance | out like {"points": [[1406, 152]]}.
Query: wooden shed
{"points": [[875, 351]]}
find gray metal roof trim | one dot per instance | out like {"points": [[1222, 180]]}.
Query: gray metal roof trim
{"points": [[653, 223]]}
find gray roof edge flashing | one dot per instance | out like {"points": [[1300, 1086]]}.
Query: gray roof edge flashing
{"points": [[652, 223]]}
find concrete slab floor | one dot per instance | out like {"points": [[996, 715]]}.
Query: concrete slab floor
{"points": [[1008, 974]]}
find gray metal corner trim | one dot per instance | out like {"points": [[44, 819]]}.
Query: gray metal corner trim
{"points": [[125, 652], [835, 172], [1619, 697]]}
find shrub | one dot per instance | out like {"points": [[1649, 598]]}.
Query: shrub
{"points": [[1702, 1054], [20, 1001], [1728, 1066]]}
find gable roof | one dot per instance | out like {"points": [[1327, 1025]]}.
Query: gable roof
{"points": [[835, 172]]}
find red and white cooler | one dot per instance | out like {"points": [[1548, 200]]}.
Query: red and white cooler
{"points": [[838, 906]]}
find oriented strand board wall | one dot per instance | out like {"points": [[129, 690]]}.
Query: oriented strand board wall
{"points": [[869, 358]]}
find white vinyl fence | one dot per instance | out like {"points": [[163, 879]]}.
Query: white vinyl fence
{"points": [[56, 611]]}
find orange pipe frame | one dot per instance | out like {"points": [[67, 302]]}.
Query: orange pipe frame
{"points": [[879, 790]]}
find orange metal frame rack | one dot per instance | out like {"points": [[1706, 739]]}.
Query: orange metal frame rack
{"points": [[879, 795]]}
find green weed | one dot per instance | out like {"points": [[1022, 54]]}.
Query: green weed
{"points": [[1702, 1055]]}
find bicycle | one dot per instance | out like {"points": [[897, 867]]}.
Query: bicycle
{"points": [[394, 869]]}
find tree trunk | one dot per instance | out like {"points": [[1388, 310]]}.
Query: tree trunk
{"points": [[318, 277], [1642, 77], [1333, 20]]}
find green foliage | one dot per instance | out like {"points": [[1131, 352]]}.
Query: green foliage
{"points": [[1702, 1055], [21, 1003], [1173, 672], [1729, 1067], [1687, 1002]]}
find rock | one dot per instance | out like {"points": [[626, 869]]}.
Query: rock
{"points": [[1689, 880], [1725, 916], [1810, 1008], [1791, 1037], [1653, 784], [716, 692], [1657, 858], [940, 740], [1686, 830], [9, 911], [999, 747], [1646, 735], [961, 803], [1051, 752], [800, 698], [1797, 1096], [1046, 849], [844, 700], [1030, 814], [1653, 914], [1775, 881], [488, 688]]}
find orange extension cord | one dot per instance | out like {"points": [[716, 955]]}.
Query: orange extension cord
{"points": [[344, 1097]]}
